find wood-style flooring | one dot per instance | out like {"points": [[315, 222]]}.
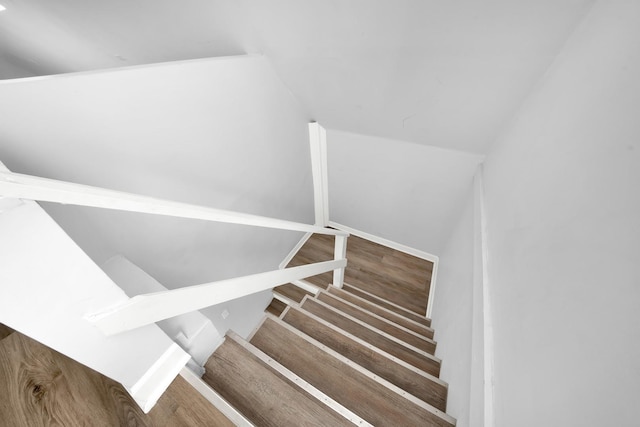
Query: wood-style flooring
{"points": [[41, 387], [390, 274]]}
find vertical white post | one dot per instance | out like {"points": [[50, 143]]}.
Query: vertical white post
{"points": [[340, 252], [318, 146]]}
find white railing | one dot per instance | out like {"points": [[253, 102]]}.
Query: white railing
{"points": [[146, 309], [48, 190], [149, 308]]}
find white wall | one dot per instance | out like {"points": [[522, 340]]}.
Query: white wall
{"points": [[452, 313], [405, 192], [220, 132], [563, 221]]}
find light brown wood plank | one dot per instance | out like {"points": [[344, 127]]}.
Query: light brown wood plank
{"points": [[411, 338], [354, 389], [385, 304], [393, 275], [41, 387], [412, 357], [408, 378], [182, 405], [276, 307], [291, 291], [262, 395], [380, 311]]}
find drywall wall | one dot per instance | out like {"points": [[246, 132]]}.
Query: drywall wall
{"points": [[405, 192], [452, 314], [48, 286], [221, 132], [562, 203]]}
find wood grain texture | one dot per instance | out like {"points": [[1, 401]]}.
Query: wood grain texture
{"points": [[411, 338], [385, 304], [390, 274], [41, 387], [261, 394], [412, 357], [380, 311], [360, 393], [291, 291], [408, 378], [276, 307]]}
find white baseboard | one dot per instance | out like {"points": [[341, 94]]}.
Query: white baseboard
{"points": [[385, 242]]}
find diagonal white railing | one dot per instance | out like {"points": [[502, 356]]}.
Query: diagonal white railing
{"points": [[149, 308], [146, 309], [48, 190]]}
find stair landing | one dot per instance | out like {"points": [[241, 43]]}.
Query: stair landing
{"points": [[385, 272]]}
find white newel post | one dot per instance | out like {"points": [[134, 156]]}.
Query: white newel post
{"points": [[340, 252]]}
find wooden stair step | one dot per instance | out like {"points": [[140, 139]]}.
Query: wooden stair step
{"points": [[386, 304], [408, 336], [383, 312], [43, 387], [276, 307], [260, 393], [366, 395], [291, 291], [387, 343], [426, 387]]}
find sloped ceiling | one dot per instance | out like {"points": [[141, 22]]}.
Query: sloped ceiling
{"points": [[443, 73]]}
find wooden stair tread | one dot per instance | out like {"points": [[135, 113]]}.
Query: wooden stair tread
{"points": [[261, 394], [386, 304], [276, 307], [43, 387], [422, 385], [386, 272], [422, 361], [291, 291], [411, 338], [381, 311], [359, 392]]}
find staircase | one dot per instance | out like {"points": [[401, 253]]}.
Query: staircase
{"points": [[332, 359], [320, 357]]}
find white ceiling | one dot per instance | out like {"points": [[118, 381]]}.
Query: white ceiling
{"points": [[444, 73]]}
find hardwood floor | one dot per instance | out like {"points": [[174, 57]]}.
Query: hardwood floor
{"points": [[390, 274], [41, 387]]}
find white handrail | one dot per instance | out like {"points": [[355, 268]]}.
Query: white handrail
{"points": [[142, 310], [49, 190]]}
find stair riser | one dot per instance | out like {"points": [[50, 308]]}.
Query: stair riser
{"points": [[340, 379], [375, 338], [373, 308], [407, 378], [387, 305], [409, 337]]}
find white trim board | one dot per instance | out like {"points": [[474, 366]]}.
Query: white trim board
{"points": [[157, 379], [402, 248], [385, 242], [318, 149]]}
